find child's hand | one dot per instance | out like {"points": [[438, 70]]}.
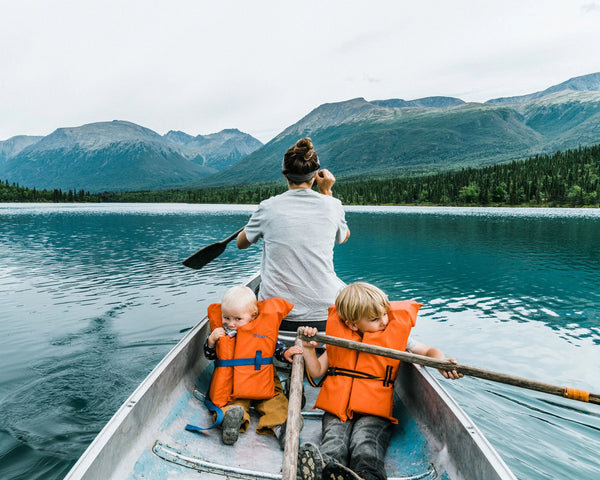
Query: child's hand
{"points": [[215, 335], [451, 374], [290, 352], [309, 332]]}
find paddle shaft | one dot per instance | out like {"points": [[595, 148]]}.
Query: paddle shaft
{"points": [[293, 425], [449, 366], [209, 253], [231, 237]]}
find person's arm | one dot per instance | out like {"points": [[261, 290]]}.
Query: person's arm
{"points": [[210, 352], [253, 229], [432, 352], [325, 181], [347, 236], [242, 241], [316, 367], [283, 353], [288, 353]]}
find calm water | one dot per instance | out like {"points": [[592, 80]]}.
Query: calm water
{"points": [[93, 296]]}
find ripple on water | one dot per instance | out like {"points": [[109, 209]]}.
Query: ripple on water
{"points": [[92, 292], [60, 409]]}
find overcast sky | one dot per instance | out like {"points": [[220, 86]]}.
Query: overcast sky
{"points": [[259, 66]]}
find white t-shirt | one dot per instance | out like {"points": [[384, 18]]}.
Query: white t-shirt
{"points": [[299, 229]]}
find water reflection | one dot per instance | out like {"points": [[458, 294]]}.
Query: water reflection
{"points": [[92, 297], [519, 269]]}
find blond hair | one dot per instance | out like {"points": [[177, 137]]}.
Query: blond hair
{"points": [[361, 300], [239, 296]]}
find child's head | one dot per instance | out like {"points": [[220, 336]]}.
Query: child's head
{"points": [[238, 307], [363, 307]]}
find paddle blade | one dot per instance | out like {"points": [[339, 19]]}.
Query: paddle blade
{"points": [[205, 255]]}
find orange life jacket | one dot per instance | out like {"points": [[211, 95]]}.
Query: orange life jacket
{"points": [[365, 382], [254, 341]]}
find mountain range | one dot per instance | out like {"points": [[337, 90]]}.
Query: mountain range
{"points": [[119, 155], [375, 138], [353, 138]]}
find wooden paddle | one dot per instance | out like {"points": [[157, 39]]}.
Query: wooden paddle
{"points": [[209, 253], [292, 437], [566, 392]]}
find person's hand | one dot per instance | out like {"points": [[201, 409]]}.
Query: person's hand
{"points": [[215, 335], [309, 332], [290, 352], [325, 181], [451, 374]]}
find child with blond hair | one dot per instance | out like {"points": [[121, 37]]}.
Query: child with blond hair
{"points": [[357, 392]]}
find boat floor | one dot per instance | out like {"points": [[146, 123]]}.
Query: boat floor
{"points": [[180, 454]]}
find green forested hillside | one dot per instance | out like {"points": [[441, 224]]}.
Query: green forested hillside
{"points": [[570, 178]]}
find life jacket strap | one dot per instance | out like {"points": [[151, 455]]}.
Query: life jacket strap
{"points": [[312, 382], [212, 408], [257, 361], [347, 372]]}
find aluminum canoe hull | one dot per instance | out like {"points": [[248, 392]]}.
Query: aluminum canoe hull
{"points": [[146, 437]]}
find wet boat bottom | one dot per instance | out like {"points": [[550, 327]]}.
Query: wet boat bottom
{"points": [[180, 454]]}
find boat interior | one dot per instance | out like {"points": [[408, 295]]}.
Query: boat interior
{"points": [[181, 454]]}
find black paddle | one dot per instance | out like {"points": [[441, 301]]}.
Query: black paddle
{"points": [[208, 254]]}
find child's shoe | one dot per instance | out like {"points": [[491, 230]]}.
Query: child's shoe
{"points": [[310, 463], [232, 421], [337, 471]]}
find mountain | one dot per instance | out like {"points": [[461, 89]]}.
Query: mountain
{"points": [[420, 102], [12, 146], [217, 150], [585, 83], [354, 138], [118, 155], [376, 138]]}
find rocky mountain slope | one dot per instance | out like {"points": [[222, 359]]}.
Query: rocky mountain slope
{"points": [[354, 138], [374, 138], [119, 155]]}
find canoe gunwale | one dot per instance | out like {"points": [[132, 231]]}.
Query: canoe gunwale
{"points": [[141, 408], [452, 435], [124, 432]]}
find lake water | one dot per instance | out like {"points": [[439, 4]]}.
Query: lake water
{"points": [[93, 296]]}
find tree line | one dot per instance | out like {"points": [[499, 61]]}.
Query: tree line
{"points": [[570, 178]]}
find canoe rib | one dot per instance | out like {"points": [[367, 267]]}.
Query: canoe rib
{"points": [[174, 456]]}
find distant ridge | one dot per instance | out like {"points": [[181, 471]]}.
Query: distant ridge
{"points": [[585, 83], [14, 145], [355, 138], [427, 102], [119, 155], [359, 138]]}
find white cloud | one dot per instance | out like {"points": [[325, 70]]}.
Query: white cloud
{"points": [[591, 7], [260, 66]]}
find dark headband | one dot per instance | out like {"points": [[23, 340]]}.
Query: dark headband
{"points": [[298, 177]]}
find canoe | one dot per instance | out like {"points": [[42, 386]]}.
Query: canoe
{"points": [[146, 438]]}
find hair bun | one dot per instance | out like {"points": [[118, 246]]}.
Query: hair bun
{"points": [[300, 161], [305, 143], [304, 147]]}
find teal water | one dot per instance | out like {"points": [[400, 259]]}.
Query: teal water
{"points": [[93, 296]]}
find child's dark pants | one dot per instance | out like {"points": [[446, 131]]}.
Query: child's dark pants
{"points": [[359, 443]]}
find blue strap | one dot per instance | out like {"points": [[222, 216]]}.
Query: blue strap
{"points": [[212, 408], [257, 361]]}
